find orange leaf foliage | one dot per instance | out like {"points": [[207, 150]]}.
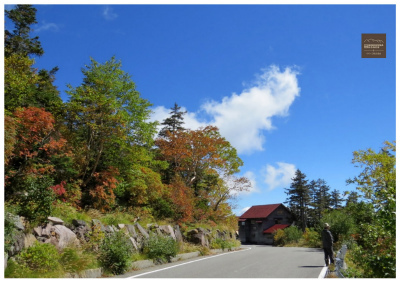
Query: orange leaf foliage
{"points": [[103, 197]]}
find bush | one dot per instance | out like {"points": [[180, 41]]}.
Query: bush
{"points": [[293, 234], [312, 238], [115, 253], [279, 237], [224, 244], [42, 258], [342, 224], [160, 247], [36, 202]]}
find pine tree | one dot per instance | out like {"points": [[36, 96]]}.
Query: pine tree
{"points": [[19, 41], [336, 199], [320, 198], [299, 198], [174, 122], [24, 86]]}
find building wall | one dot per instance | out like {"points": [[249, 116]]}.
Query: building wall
{"points": [[251, 230]]}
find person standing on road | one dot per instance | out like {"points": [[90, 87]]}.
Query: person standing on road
{"points": [[327, 244]]}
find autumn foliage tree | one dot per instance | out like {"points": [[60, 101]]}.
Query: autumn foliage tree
{"points": [[34, 161], [200, 155], [36, 146]]}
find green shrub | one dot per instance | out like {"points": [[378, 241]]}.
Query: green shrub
{"points": [[224, 244], [342, 224], [160, 247], [36, 202], [293, 234], [116, 252], [279, 237], [312, 238], [41, 258], [289, 235]]}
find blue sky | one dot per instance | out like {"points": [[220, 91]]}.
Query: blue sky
{"points": [[285, 84]]}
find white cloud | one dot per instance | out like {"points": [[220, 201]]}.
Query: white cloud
{"points": [[46, 27], [280, 176], [109, 14], [242, 118]]}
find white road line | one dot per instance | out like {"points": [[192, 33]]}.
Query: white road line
{"points": [[323, 272], [185, 263]]}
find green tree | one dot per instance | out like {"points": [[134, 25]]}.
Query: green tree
{"points": [[353, 197], [377, 181], [299, 198], [174, 122], [107, 117], [336, 199], [342, 224], [23, 85], [320, 196], [19, 40]]}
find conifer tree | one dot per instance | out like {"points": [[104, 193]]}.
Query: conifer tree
{"points": [[336, 199], [174, 122], [19, 40], [320, 198], [299, 198]]}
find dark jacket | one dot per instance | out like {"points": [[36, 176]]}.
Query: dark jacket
{"points": [[327, 239]]}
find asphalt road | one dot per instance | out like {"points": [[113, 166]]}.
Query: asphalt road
{"points": [[251, 261]]}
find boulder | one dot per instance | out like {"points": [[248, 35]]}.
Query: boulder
{"points": [[178, 234], [198, 237], [121, 226], [81, 229], [78, 223], [46, 231], [38, 231], [15, 220], [131, 230], [29, 240], [18, 244], [167, 229], [134, 244], [64, 236], [55, 220], [142, 230]]}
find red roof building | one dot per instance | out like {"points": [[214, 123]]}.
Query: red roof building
{"points": [[259, 222]]}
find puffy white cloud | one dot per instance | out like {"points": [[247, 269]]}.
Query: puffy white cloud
{"points": [[241, 118], [280, 176]]}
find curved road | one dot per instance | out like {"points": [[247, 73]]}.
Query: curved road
{"points": [[251, 261]]}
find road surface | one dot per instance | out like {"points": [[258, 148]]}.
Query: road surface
{"points": [[251, 261]]}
